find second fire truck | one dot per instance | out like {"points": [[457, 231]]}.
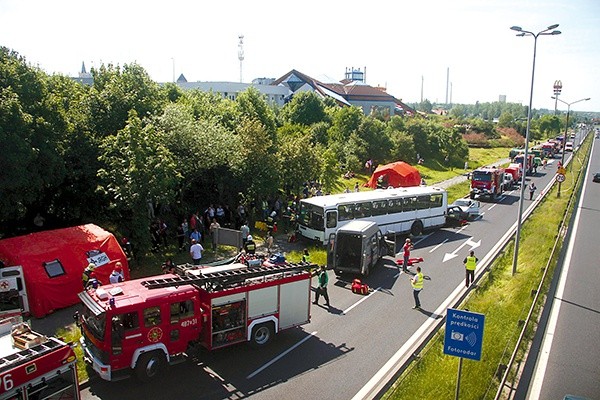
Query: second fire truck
{"points": [[138, 327]]}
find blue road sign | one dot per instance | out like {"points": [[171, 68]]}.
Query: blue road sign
{"points": [[464, 334]]}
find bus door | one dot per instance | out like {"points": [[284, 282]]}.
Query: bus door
{"points": [[331, 251], [331, 218]]}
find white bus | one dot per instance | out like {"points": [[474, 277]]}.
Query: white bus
{"points": [[402, 210]]}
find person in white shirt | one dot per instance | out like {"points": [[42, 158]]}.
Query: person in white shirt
{"points": [[196, 252]]}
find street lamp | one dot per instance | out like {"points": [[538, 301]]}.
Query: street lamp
{"points": [[557, 90], [562, 159], [548, 31]]}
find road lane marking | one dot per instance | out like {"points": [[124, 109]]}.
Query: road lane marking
{"points": [[436, 247], [280, 356], [361, 300], [473, 245]]}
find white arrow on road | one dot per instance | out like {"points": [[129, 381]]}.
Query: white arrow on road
{"points": [[474, 245]]}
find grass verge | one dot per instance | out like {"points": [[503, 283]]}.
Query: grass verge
{"points": [[504, 299]]}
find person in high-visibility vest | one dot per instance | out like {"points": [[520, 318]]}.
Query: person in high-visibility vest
{"points": [[470, 264], [417, 284], [306, 256], [323, 280]]}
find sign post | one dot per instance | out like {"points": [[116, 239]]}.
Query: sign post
{"points": [[463, 337]]}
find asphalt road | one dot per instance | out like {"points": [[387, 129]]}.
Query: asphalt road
{"points": [[343, 347], [567, 347]]}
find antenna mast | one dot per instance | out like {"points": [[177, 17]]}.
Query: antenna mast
{"points": [[241, 53]]}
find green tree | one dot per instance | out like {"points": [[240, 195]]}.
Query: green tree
{"points": [[116, 91], [305, 108], [137, 169], [258, 166], [252, 105], [299, 162], [205, 152], [30, 131], [378, 144], [330, 170]]}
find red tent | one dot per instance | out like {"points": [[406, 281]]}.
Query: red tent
{"points": [[53, 263], [396, 174]]}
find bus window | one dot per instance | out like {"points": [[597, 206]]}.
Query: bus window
{"points": [[346, 212], [422, 203], [367, 208], [379, 208], [436, 200], [394, 206], [331, 219], [410, 204]]}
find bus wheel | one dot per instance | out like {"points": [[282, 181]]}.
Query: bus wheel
{"points": [[417, 228], [262, 334], [150, 365]]}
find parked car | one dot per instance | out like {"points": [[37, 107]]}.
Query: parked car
{"points": [[596, 177], [469, 206], [569, 146]]}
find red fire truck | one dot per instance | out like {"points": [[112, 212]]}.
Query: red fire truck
{"points": [[33, 366], [487, 182], [140, 326]]}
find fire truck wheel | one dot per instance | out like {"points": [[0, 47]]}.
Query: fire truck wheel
{"points": [[262, 334], [417, 228], [150, 365]]}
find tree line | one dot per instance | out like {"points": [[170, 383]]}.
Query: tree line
{"points": [[102, 153]]}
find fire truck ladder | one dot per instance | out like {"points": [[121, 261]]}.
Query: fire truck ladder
{"points": [[226, 278], [26, 355]]}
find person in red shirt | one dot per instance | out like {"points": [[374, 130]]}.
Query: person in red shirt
{"points": [[408, 246]]}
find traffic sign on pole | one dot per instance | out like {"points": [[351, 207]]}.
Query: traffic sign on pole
{"points": [[464, 334], [561, 170], [560, 177]]}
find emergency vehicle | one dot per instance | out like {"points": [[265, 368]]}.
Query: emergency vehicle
{"points": [[33, 366], [141, 326], [487, 182]]}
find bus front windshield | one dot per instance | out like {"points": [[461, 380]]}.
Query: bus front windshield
{"points": [[311, 216]]}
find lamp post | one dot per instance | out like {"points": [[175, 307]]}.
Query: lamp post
{"points": [[548, 31], [562, 159], [557, 90]]}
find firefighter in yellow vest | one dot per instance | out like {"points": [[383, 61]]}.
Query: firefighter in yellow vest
{"points": [[470, 264], [417, 284]]}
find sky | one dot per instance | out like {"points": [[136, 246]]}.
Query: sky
{"points": [[460, 50]]}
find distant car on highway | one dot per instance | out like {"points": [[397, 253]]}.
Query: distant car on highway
{"points": [[596, 177], [569, 146]]}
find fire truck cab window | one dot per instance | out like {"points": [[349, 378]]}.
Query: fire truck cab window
{"points": [[151, 316], [129, 320], [181, 310]]}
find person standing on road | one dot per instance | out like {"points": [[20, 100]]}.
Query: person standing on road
{"points": [[417, 284], [532, 189], [322, 287], [408, 246], [470, 263]]}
